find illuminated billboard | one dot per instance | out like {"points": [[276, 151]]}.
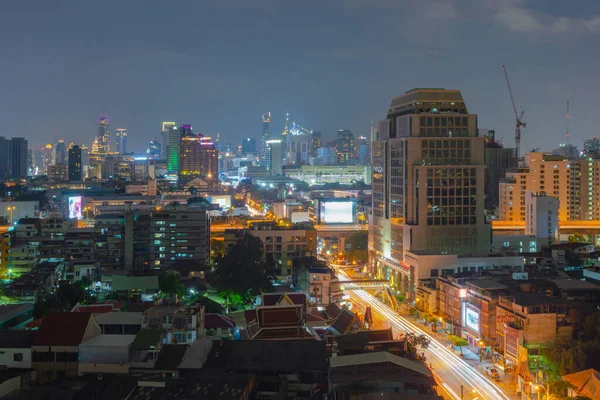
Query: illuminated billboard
{"points": [[337, 212], [472, 319], [75, 207]]}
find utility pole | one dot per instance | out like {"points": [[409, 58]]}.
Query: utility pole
{"points": [[462, 394]]}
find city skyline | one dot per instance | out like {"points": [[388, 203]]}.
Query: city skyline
{"points": [[334, 77]]}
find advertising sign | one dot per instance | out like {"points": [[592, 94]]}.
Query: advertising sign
{"points": [[75, 207], [472, 319], [337, 212]]}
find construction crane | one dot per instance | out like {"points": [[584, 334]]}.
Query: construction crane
{"points": [[519, 118]]}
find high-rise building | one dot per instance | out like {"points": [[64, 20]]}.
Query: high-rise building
{"points": [[164, 138], [266, 129], [566, 150], [5, 159], [103, 135], [18, 158], [179, 233], [591, 145], [60, 152], [248, 145], [298, 148], [498, 161], [121, 140], [428, 182], [325, 156], [75, 165], [155, 149], [543, 173], [315, 138], [541, 218], [584, 194], [58, 173], [174, 144], [274, 156], [39, 161], [197, 159], [345, 145], [48, 157]]}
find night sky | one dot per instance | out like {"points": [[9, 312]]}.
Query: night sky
{"points": [[220, 64]]}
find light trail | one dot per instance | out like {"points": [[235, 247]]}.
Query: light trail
{"points": [[438, 354]]}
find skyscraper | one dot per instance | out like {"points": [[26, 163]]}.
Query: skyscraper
{"points": [[5, 159], [209, 160], [345, 145], [103, 135], [155, 149], [48, 157], [315, 143], [274, 156], [174, 145], [248, 145], [591, 145], [266, 129], [75, 165], [60, 152], [164, 138], [18, 158], [121, 139], [428, 182]]}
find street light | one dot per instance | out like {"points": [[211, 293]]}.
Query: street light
{"points": [[10, 210], [546, 389]]}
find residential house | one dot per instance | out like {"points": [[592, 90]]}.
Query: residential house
{"points": [[146, 347], [105, 354], [15, 348], [144, 287], [182, 324], [77, 270], [55, 348], [218, 325]]}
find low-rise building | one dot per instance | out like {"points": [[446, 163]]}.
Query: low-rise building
{"points": [[426, 296], [15, 316], [15, 348], [105, 354], [182, 324], [79, 244], [55, 348], [218, 325], [318, 282], [479, 320], [120, 323]]}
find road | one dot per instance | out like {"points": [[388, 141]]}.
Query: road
{"points": [[452, 370]]}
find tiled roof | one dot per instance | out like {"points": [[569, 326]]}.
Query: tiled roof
{"points": [[62, 329], [94, 308], [250, 316], [333, 310], [214, 321], [279, 316], [344, 321], [16, 339], [587, 382], [147, 338], [273, 299]]}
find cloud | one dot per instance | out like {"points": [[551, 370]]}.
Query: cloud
{"points": [[514, 15]]}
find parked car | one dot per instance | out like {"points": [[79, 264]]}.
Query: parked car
{"points": [[492, 373]]}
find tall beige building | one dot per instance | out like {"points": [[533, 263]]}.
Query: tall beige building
{"points": [[428, 182], [585, 190], [543, 174]]}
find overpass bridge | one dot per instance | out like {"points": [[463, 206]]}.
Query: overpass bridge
{"points": [[565, 227], [338, 233], [363, 283]]}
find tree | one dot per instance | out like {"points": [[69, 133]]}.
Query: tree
{"points": [[217, 250], [420, 342], [170, 284], [576, 238], [459, 342], [244, 267], [358, 243]]}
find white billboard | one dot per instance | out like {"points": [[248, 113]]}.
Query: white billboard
{"points": [[75, 207], [337, 212], [472, 319]]}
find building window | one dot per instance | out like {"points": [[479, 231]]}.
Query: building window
{"points": [[18, 357]]}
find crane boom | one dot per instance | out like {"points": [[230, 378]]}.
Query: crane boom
{"points": [[519, 118]]}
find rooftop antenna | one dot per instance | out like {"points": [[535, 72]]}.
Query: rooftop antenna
{"points": [[568, 120]]}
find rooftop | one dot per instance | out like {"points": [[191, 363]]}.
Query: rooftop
{"points": [[170, 356], [110, 341], [147, 338], [8, 311], [62, 329], [120, 318], [487, 284], [587, 382]]}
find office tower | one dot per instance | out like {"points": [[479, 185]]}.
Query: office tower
{"points": [[179, 233], [209, 161], [164, 137], [38, 161], [121, 139], [541, 218], [315, 138], [266, 129], [298, 147], [325, 156], [58, 173], [103, 135], [274, 156], [60, 152], [30, 163], [75, 164], [4, 159], [345, 145], [591, 145], [248, 146], [18, 158], [154, 149], [498, 161], [48, 157], [364, 154], [567, 151], [542, 173], [197, 159], [428, 182], [174, 144]]}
